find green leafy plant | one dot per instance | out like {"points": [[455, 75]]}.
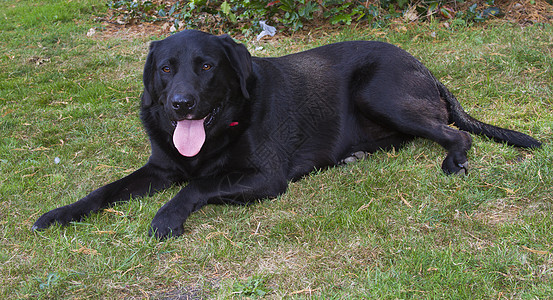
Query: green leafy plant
{"points": [[292, 15], [253, 287], [344, 12], [50, 281], [136, 10], [295, 12]]}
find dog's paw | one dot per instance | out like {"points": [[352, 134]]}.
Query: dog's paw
{"points": [[455, 163], [464, 169], [451, 168], [163, 228], [354, 157], [61, 215]]}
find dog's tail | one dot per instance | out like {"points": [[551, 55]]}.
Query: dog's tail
{"points": [[464, 121]]}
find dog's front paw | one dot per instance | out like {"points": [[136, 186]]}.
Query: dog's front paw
{"points": [[164, 227], [61, 215]]}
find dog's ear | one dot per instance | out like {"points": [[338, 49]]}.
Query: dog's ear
{"points": [[240, 59], [149, 95]]}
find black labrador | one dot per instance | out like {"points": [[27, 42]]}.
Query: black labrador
{"points": [[238, 128]]}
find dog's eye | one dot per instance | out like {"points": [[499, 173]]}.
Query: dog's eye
{"points": [[206, 67], [166, 69]]}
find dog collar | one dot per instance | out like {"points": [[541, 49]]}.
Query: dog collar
{"points": [[232, 124]]}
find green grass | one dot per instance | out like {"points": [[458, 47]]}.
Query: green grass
{"points": [[390, 227]]}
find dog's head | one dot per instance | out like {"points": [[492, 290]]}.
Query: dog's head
{"points": [[198, 79]]}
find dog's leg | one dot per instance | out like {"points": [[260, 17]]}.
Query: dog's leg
{"points": [[456, 142], [425, 117], [234, 188], [143, 181]]}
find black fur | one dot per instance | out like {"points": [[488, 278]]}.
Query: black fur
{"points": [[272, 120]]}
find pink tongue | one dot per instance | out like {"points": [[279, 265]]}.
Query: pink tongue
{"points": [[189, 137]]}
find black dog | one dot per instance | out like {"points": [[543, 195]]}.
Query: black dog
{"points": [[238, 128]]}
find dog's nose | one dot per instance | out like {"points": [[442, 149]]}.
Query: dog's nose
{"points": [[182, 104]]}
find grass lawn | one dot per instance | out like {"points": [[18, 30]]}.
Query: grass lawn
{"points": [[390, 227]]}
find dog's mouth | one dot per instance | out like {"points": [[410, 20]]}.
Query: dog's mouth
{"points": [[211, 116], [208, 119], [189, 135]]}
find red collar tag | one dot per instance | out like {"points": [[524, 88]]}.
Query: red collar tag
{"points": [[232, 124]]}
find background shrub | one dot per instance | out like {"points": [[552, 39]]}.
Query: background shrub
{"points": [[291, 15]]}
